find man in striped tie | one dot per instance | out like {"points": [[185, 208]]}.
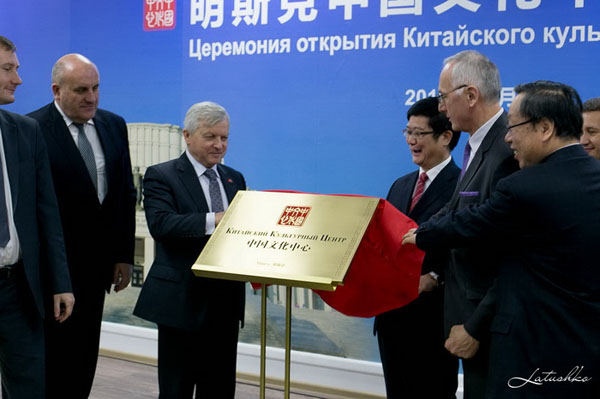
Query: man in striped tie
{"points": [[411, 341]]}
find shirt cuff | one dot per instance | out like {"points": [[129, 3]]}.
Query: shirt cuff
{"points": [[210, 223]]}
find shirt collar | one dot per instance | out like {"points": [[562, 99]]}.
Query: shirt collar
{"points": [[433, 172], [68, 120], [477, 138], [198, 167]]}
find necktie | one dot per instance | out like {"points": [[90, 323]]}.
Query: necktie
{"points": [[419, 191], [216, 201], [465, 159], [85, 148], [4, 233]]}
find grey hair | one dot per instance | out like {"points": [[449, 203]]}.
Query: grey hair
{"points": [[206, 113], [473, 68], [593, 104]]}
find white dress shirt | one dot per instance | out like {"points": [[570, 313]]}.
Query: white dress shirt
{"points": [[204, 183], [477, 138], [10, 254], [432, 173], [92, 135]]}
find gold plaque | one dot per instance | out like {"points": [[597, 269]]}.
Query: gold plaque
{"points": [[293, 239]]}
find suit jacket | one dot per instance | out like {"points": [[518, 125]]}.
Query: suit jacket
{"points": [[434, 198], [467, 281], [34, 207], [176, 210], [547, 218], [96, 235]]}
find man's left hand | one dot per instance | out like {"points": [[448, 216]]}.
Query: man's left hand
{"points": [[410, 237], [122, 276], [63, 306], [460, 343], [427, 283]]}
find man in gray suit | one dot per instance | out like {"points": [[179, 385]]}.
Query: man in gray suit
{"points": [[32, 253], [469, 90], [198, 318]]}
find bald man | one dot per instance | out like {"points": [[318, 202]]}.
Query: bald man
{"points": [[91, 169]]}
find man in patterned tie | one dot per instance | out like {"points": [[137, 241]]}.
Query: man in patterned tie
{"points": [[411, 341], [198, 318], [91, 169]]}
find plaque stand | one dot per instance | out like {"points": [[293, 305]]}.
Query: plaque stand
{"points": [[288, 239], [263, 340]]}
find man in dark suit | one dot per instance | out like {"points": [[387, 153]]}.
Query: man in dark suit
{"points": [[590, 138], [32, 254], [545, 335], [469, 93], [198, 318], [411, 339], [91, 169]]}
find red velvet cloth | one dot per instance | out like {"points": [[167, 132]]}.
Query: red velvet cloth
{"points": [[384, 274]]}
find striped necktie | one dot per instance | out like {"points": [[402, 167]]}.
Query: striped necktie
{"points": [[419, 191]]}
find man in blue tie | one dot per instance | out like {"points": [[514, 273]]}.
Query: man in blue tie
{"points": [[198, 318], [32, 253]]}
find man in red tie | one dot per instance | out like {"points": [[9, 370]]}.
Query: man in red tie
{"points": [[411, 340]]}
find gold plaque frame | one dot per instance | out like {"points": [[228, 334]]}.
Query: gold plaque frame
{"points": [[290, 239]]}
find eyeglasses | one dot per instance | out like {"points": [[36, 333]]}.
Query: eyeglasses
{"points": [[442, 96], [415, 133], [520, 123]]}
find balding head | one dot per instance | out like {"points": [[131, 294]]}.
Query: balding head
{"points": [[75, 83]]}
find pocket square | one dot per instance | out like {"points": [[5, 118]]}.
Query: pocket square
{"points": [[469, 193]]}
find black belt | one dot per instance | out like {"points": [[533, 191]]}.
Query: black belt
{"points": [[11, 271]]}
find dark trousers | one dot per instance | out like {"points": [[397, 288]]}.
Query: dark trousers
{"points": [[476, 373], [72, 347], [204, 360], [411, 345], [21, 342]]}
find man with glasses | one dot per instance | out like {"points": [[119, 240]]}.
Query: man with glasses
{"points": [[469, 89], [411, 340], [545, 338], [590, 139]]}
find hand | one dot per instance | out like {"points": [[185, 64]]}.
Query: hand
{"points": [[218, 217], [122, 276], [427, 283], [63, 306], [460, 343], [410, 237]]}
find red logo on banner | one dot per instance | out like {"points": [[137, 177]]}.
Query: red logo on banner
{"points": [[159, 14], [294, 215]]}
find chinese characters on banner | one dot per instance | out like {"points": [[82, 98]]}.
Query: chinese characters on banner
{"points": [[159, 14], [252, 12]]}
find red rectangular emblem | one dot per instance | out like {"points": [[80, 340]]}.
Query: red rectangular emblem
{"points": [[159, 14], [294, 215]]}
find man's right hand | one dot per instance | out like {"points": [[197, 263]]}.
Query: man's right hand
{"points": [[218, 217]]}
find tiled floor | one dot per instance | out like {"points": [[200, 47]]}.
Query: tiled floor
{"points": [[119, 379]]}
